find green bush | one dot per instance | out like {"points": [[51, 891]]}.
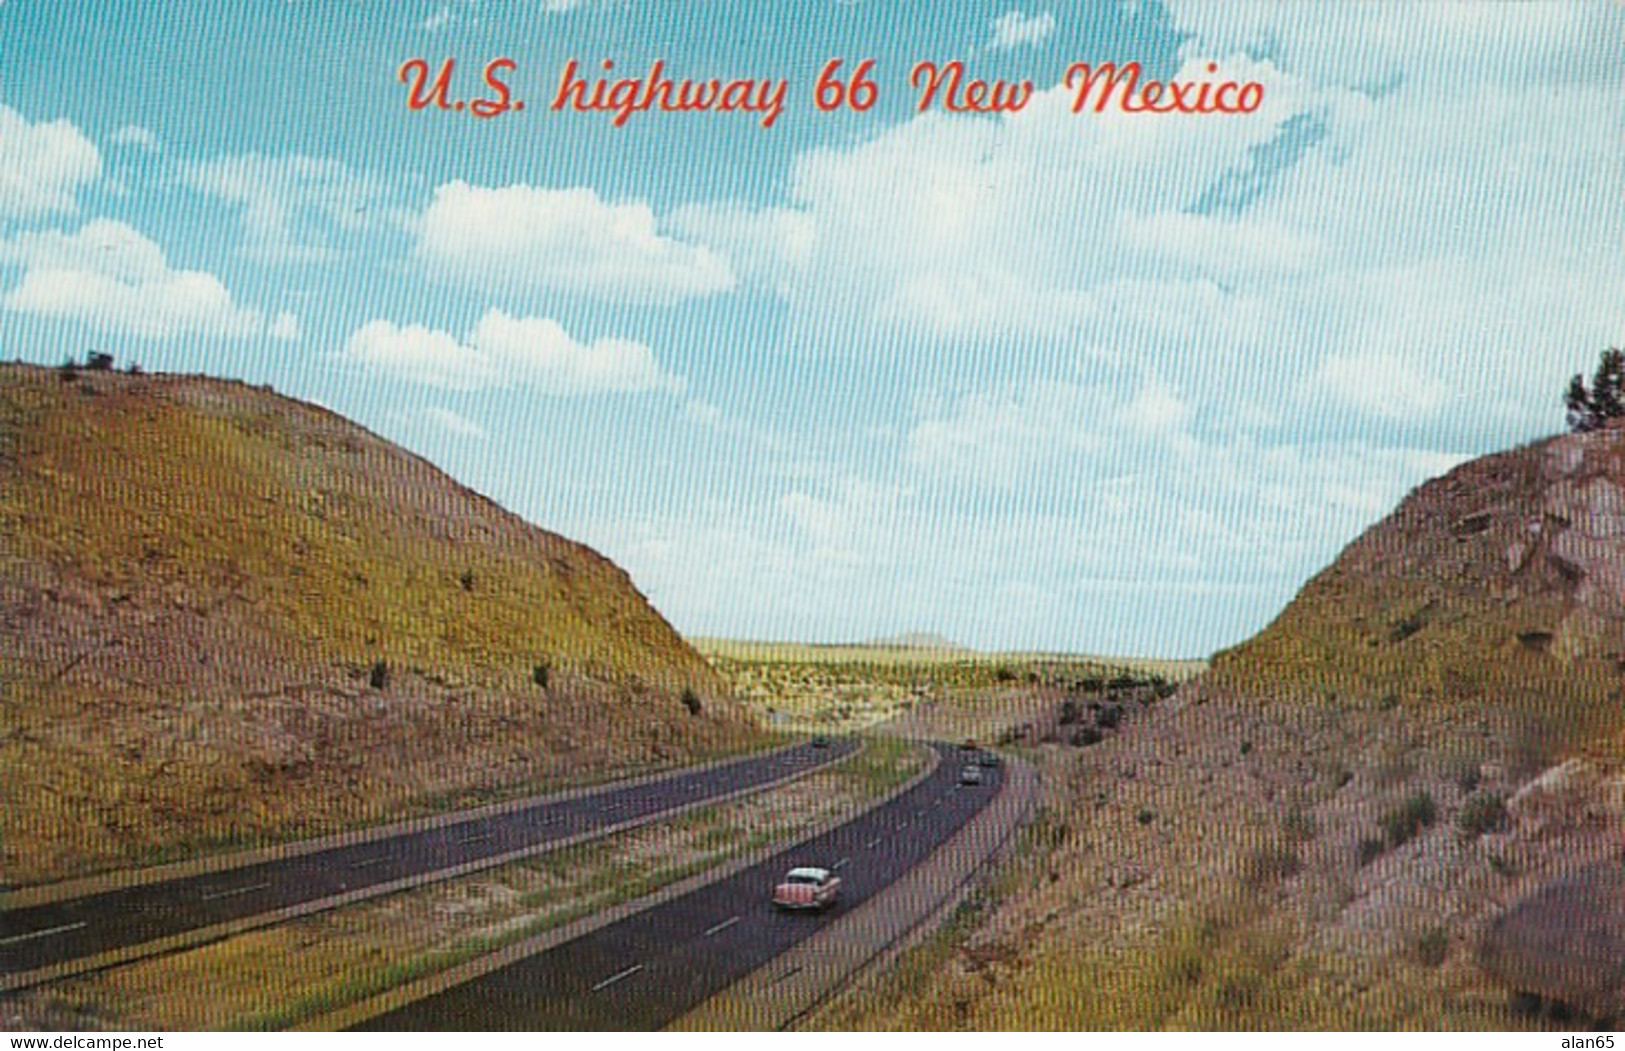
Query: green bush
{"points": [[691, 701], [1402, 824], [380, 675], [541, 674]]}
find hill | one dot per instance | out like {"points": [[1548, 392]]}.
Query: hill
{"points": [[1500, 584], [227, 616]]}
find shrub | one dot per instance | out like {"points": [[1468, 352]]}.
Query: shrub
{"points": [[99, 362], [1268, 865], [1401, 824], [691, 701], [540, 674], [1483, 812], [1069, 712], [1109, 716], [69, 372], [1146, 816], [1085, 736], [380, 675], [467, 580]]}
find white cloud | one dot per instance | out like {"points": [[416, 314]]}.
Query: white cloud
{"points": [[136, 137], [1380, 385], [534, 239], [702, 412], [291, 206], [1014, 29], [503, 351], [43, 166], [461, 426], [286, 327], [110, 276]]}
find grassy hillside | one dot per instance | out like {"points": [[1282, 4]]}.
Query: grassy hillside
{"points": [[226, 615]]}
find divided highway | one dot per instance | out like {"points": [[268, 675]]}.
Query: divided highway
{"points": [[43, 941], [647, 969]]}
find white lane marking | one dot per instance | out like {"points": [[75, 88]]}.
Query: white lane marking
{"points": [[872, 844], [838, 864], [46, 933], [368, 863], [612, 979], [236, 891], [724, 925], [481, 837]]}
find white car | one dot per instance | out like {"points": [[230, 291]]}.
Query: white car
{"points": [[807, 888]]}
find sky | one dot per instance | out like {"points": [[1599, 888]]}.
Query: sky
{"points": [[1097, 381]]}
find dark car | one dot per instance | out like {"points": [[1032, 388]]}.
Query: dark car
{"points": [[971, 774], [820, 741], [988, 759]]}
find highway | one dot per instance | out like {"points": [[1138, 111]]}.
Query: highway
{"points": [[40, 942], [646, 969]]}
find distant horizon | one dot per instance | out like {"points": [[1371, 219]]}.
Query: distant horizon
{"points": [[837, 352]]}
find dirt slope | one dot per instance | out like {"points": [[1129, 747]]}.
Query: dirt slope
{"points": [[226, 615], [1500, 584]]}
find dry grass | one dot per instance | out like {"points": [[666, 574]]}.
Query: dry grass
{"points": [[934, 692]]}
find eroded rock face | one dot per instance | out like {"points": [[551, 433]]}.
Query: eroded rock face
{"points": [[1566, 941]]}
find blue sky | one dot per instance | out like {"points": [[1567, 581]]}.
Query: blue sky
{"points": [[1097, 382]]}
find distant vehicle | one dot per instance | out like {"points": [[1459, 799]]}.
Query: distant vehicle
{"points": [[970, 775], [969, 745], [988, 759], [807, 888], [820, 741]]}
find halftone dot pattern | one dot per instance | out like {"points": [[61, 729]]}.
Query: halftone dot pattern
{"points": [[377, 449]]}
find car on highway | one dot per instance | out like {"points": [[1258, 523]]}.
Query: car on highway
{"points": [[970, 774], [807, 888], [820, 741], [988, 759]]}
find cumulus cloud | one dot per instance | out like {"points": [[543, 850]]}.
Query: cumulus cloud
{"points": [[1014, 29], [290, 206], [503, 351], [110, 276], [530, 238], [43, 166]]}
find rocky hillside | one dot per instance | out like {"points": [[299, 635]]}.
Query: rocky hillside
{"points": [[1502, 582], [227, 616]]}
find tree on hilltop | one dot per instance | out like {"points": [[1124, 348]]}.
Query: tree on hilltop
{"points": [[1590, 408]]}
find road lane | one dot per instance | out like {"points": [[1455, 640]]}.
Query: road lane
{"points": [[647, 969], [41, 941]]}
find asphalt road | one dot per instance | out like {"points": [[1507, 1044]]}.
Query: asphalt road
{"points": [[40, 936], [649, 968]]}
